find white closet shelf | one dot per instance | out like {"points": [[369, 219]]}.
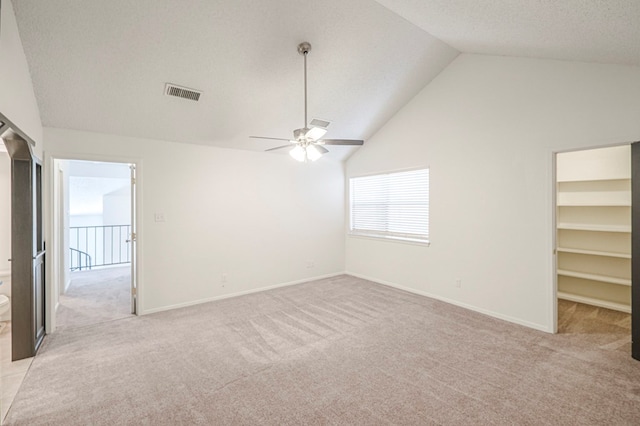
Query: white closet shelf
{"points": [[577, 179], [585, 204], [594, 252], [595, 302], [595, 277], [594, 227]]}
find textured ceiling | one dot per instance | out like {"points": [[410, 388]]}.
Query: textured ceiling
{"points": [[102, 65], [605, 31]]}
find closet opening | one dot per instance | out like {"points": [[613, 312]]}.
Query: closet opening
{"points": [[593, 245]]}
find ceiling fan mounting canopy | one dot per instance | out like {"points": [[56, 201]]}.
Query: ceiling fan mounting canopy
{"points": [[307, 140], [304, 48]]}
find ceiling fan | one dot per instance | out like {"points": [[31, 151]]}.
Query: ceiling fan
{"points": [[307, 143]]}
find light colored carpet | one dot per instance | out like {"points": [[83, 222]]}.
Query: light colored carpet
{"points": [[336, 351], [95, 296], [603, 327]]}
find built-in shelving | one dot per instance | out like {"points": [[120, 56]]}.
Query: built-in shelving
{"points": [[594, 252], [596, 193], [594, 227], [594, 277], [595, 302]]}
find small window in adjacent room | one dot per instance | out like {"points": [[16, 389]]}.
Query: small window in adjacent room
{"points": [[391, 205]]}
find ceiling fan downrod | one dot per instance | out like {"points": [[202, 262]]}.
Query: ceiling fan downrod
{"points": [[304, 48]]}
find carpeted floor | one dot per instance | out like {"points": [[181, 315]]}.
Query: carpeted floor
{"points": [[336, 351], [95, 296], [603, 327]]}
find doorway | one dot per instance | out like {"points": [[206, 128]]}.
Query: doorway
{"points": [[593, 245], [95, 230]]}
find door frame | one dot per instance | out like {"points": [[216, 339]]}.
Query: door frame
{"points": [[635, 248], [635, 302], [53, 235]]}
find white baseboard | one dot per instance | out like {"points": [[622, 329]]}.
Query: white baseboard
{"points": [[493, 314], [240, 293]]}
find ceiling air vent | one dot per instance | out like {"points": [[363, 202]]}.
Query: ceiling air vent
{"points": [[182, 92]]}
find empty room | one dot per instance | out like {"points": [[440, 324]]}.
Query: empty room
{"points": [[319, 212]]}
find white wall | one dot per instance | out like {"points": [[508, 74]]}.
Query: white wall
{"points": [[487, 127], [85, 219], [257, 217], [18, 101], [99, 193], [116, 207], [86, 197]]}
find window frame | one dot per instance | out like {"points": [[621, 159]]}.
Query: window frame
{"points": [[382, 237]]}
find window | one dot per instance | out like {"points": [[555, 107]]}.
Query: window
{"points": [[392, 205]]}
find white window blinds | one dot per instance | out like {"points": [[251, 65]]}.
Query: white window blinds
{"points": [[392, 205]]}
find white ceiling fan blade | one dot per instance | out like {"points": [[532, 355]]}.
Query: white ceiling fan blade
{"points": [[273, 139], [341, 142], [315, 133], [277, 147], [321, 148]]}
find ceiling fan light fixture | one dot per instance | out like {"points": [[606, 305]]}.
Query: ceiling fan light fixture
{"points": [[298, 153], [313, 153]]}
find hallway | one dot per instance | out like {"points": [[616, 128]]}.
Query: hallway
{"points": [[95, 296]]}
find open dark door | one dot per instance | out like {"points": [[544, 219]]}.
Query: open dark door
{"points": [[27, 245], [635, 250]]}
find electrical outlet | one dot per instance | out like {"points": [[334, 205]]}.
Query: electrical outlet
{"points": [[458, 283], [158, 217]]}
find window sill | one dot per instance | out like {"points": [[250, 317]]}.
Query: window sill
{"points": [[390, 240]]}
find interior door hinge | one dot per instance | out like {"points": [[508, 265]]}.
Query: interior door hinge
{"points": [[134, 291], [133, 181]]}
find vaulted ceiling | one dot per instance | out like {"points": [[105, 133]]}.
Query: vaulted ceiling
{"points": [[102, 65], [603, 31]]}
